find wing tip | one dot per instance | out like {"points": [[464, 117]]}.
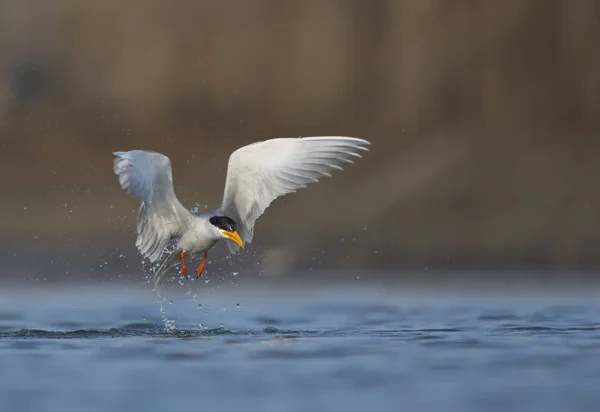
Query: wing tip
{"points": [[355, 143], [356, 140], [359, 140]]}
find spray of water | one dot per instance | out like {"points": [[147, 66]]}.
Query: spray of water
{"points": [[158, 270], [170, 325]]}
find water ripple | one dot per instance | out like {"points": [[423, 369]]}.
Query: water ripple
{"points": [[354, 350]]}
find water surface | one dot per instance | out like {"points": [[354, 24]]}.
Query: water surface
{"points": [[99, 349]]}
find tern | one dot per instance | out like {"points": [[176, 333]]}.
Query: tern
{"points": [[257, 174]]}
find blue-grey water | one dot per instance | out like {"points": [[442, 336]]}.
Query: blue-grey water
{"points": [[235, 349]]}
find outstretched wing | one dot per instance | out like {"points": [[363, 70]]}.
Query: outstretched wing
{"points": [[259, 173], [148, 176]]}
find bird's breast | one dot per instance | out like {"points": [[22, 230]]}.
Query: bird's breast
{"points": [[194, 241]]}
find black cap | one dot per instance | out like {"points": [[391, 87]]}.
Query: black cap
{"points": [[223, 223]]}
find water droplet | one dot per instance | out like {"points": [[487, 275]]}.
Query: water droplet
{"points": [[237, 305]]}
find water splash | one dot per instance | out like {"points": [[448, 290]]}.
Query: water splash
{"points": [[196, 209], [194, 298], [170, 325], [170, 262]]}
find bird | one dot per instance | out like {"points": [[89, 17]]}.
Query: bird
{"points": [[257, 174]]}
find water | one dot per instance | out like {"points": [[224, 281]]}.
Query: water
{"points": [[99, 349]]}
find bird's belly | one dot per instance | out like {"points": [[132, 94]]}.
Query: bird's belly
{"points": [[191, 243]]}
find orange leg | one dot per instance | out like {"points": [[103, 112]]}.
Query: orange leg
{"points": [[202, 265], [183, 267]]}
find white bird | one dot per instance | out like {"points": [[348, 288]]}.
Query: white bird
{"points": [[257, 174]]}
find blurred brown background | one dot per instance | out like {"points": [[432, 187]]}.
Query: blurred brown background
{"points": [[483, 117]]}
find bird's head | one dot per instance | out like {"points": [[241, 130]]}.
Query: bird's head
{"points": [[226, 228]]}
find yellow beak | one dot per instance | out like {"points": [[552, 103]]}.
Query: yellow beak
{"points": [[235, 237]]}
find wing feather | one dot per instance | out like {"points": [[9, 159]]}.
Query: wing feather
{"points": [[260, 172], [148, 177]]}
